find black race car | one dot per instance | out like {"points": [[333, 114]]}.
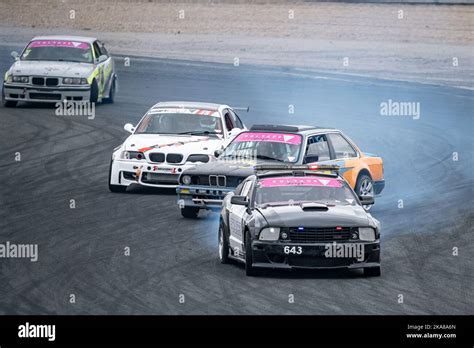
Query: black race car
{"points": [[288, 216]]}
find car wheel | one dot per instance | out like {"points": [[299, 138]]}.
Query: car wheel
{"points": [[190, 212], [115, 188], [8, 103], [365, 187], [94, 92], [372, 272], [249, 270], [111, 98], [223, 245]]}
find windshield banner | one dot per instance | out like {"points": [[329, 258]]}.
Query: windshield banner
{"points": [[59, 43], [306, 181], [270, 137]]}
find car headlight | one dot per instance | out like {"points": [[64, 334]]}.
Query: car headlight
{"points": [[74, 81], [186, 179], [269, 233], [367, 233], [198, 158], [9, 78], [21, 79], [133, 155]]}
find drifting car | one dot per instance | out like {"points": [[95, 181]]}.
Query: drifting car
{"points": [[58, 69], [170, 138], [286, 217], [204, 186]]}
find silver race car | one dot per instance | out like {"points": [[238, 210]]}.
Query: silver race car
{"points": [[60, 69]]}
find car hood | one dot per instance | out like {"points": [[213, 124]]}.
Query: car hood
{"points": [[226, 167], [294, 216], [51, 68], [149, 143]]}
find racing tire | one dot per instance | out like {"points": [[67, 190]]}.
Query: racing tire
{"points": [[8, 103], [190, 212], [249, 270], [94, 92], [365, 187], [115, 188], [223, 246], [372, 272], [111, 98]]}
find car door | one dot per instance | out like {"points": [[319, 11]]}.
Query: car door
{"points": [[237, 214], [342, 152], [104, 68]]}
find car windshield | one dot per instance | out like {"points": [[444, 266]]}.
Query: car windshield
{"points": [[295, 190], [58, 50], [264, 146], [181, 123]]}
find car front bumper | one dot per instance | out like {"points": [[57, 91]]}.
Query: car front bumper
{"points": [[379, 186], [202, 197], [31, 93], [271, 255], [128, 172]]}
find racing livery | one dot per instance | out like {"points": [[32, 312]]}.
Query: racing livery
{"points": [[171, 137], [298, 217], [204, 186], [58, 69]]}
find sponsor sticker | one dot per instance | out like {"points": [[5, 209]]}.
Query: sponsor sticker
{"points": [[202, 112], [306, 181], [294, 139], [60, 43]]}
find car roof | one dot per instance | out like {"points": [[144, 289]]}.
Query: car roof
{"points": [[301, 129], [65, 38], [188, 104]]}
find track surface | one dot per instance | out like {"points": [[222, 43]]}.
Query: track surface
{"points": [[81, 250]]}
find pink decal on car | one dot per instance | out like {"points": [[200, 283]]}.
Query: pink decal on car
{"points": [[270, 137], [59, 43], [306, 181]]}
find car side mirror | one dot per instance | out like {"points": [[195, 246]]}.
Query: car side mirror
{"points": [[102, 59], [15, 55], [129, 128], [366, 200], [311, 159], [239, 200], [217, 153]]}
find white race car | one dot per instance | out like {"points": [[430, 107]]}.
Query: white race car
{"points": [[171, 137], [61, 68]]}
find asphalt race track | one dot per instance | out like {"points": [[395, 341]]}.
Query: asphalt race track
{"points": [[81, 250]]}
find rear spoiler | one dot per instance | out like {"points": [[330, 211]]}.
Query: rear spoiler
{"points": [[247, 109]]}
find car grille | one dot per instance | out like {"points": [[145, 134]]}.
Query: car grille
{"points": [[310, 261], [45, 96], [52, 81], [319, 234], [204, 180], [174, 158], [157, 157], [163, 179], [39, 81]]}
